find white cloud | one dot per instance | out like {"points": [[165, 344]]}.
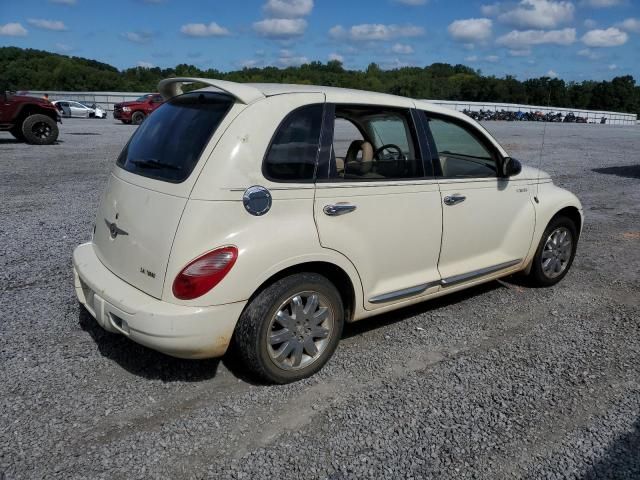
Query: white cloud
{"points": [[492, 58], [552, 74], [602, 3], [402, 49], [518, 39], [288, 59], [251, 63], [611, 37], [522, 52], [413, 3], [590, 23], [204, 30], [64, 2], [63, 47], [55, 25], [375, 32], [630, 25], [137, 37], [145, 64], [491, 10], [472, 58], [613, 66], [471, 30], [337, 57], [13, 30], [588, 53], [539, 14], [288, 8], [281, 28]]}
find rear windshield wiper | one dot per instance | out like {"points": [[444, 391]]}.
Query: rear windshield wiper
{"points": [[151, 163]]}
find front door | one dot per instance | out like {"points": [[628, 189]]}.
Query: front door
{"points": [[377, 206], [488, 220]]}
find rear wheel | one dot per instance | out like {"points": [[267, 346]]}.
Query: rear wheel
{"points": [[40, 130], [291, 328], [555, 253], [137, 118]]}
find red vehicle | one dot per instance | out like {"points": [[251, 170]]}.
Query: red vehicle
{"points": [[29, 119], [137, 110]]}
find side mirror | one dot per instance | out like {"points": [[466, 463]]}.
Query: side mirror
{"points": [[511, 167]]}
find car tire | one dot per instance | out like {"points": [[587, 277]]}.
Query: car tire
{"points": [[17, 133], [137, 118], [39, 129], [284, 335], [555, 253]]}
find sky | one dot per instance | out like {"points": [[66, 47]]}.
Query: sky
{"points": [[574, 40]]}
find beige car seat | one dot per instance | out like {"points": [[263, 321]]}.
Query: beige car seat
{"points": [[359, 159]]}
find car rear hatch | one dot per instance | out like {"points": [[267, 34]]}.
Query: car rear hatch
{"points": [[150, 185]]}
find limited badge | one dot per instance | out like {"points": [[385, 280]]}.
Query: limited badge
{"points": [[256, 200]]}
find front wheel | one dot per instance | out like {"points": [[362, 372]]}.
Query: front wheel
{"points": [[137, 118], [40, 130], [290, 329], [555, 253]]}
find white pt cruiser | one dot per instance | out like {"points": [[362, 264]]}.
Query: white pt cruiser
{"points": [[267, 216]]}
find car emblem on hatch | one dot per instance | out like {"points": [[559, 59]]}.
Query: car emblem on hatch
{"points": [[114, 230]]}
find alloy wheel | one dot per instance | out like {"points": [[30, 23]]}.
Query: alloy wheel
{"points": [[300, 331], [556, 252]]}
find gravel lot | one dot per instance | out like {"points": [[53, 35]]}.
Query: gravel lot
{"points": [[501, 381]]}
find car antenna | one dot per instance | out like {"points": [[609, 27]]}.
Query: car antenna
{"points": [[544, 134]]}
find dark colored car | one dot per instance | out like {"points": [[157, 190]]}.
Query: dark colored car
{"points": [[137, 110], [29, 119]]}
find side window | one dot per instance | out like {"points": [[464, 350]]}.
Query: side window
{"points": [[344, 133], [157, 99], [462, 154], [374, 143], [294, 148]]}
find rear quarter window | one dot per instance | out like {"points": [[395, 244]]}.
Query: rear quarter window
{"points": [[294, 148], [168, 145]]}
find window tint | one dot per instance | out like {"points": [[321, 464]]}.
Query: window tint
{"points": [[344, 133], [294, 149], [168, 145], [374, 143], [461, 153]]}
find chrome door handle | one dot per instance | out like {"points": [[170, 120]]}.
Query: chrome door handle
{"points": [[338, 209], [454, 199]]}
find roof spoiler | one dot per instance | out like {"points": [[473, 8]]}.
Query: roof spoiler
{"points": [[246, 94]]}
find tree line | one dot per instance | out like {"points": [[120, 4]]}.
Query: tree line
{"points": [[29, 69]]}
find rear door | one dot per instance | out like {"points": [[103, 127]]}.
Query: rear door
{"points": [[148, 190], [378, 204]]}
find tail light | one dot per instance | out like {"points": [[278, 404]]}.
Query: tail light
{"points": [[204, 273]]}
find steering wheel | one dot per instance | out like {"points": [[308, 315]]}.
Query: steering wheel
{"points": [[389, 146]]}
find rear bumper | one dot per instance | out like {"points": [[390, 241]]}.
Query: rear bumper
{"points": [[179, 331]]}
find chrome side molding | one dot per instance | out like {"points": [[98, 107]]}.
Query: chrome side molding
{"points": [[445, 282], [465, 277], [404, 293]]}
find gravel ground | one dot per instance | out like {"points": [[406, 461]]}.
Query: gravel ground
{"points": [[500, 381]]}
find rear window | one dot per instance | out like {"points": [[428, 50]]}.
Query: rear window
{"points": [[168, 145]]}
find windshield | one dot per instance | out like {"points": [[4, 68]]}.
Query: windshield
{"points": [[143, 98], [168, 145]]}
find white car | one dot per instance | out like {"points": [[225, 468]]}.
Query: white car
{"points": [[270, 215], [98, 110], [72, 109]]}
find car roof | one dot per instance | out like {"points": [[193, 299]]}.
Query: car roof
{"points": [[250, 92]]}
